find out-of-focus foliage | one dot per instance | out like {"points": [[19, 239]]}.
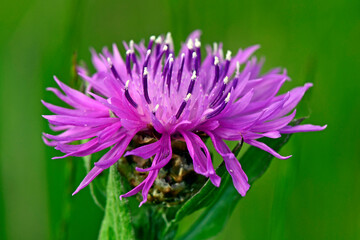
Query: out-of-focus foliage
{"points": [[313, 195]]}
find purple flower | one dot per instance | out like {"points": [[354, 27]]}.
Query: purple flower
{"points": [[175, 98]]}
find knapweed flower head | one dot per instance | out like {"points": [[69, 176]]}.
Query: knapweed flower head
{"points": [[173, 98]]}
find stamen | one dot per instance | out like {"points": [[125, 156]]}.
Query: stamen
{"points": [[134, 58], [196, 61], [215, 48], [158, 59], [169, 43], [216, 60], [168, 81], [222, 90], [182, 106], [180, 70], [131, 45], [219, 109], [127, 95], [155, 109], [128, 62], [147, 57], [227, 99], [192, 82], [145, 85], [198, 53], [217, 72], [236, 79], [166, 67], [228, 55], [151, 42], [227, 63], [113, 70], [190, 46], [158, 42], [169, 40], [194, 55], [237, 68], [197, 43]]}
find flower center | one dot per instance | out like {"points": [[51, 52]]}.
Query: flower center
{"points": [[175, 183]]}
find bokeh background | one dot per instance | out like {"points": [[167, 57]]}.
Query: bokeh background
{"points": [[313, 195]]}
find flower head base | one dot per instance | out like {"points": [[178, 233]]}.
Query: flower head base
{"points": [[173, 99]]}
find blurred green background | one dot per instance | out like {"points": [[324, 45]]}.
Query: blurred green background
{"points": [[313, 195]]}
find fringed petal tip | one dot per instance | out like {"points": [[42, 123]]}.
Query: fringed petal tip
{"points": [[142, 202], [266, 148], [215, 179], [47, 142], [302, 128], [57, 80], [284, 157], [244, 190], [308, 85], [76, 191]]}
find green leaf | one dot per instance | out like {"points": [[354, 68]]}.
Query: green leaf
{"points": [[221, 203], [116, 224]]}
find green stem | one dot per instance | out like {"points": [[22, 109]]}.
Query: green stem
{"points": [[117, 223]]}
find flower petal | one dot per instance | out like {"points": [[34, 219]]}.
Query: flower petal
{"points": [[266, 148], [233, 166], [89, 177], [302, 128]]}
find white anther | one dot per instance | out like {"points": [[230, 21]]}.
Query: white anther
{"points": [[226, 80], [216, 60], [228, 55], [171, 60], [152, 38], [237, 67], [168, 38], [188, 96], [215, 48], [158, 40], [148, 52], [109, 61], [165, 48], [131, 45], [194, 55], [190, 44], [145, 71], [155, 108], [129, 51], [127, 84], [182, 55], [227, 99], [193, 76], [197, 43]]}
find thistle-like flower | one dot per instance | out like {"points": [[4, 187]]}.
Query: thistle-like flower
{"points": [[173, 98]]}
